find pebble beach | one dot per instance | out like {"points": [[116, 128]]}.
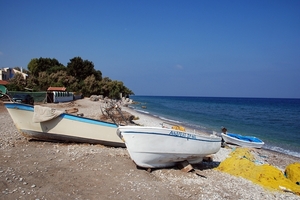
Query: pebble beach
{"points": [[48, 170]]}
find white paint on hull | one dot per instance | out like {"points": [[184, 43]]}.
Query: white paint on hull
{"points": [[155, 147], [66, 127]]}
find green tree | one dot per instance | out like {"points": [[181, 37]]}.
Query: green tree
{"points": [[44, 81], [104, 86], [17, 83], [32, 82], [61, 79], [56, 68], [126, 92], [113, 89], [75, 87], [81, 69], [35, 66], [97, 74], [78, 76], [91, 86]]}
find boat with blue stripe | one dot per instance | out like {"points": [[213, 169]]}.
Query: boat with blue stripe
{"points": [[243, 141], [48, 124]]}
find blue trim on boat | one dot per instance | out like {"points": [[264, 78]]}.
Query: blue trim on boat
{"points": [[87, 120], [64, 115], [245, 138], [19, 106], [153, 133]]}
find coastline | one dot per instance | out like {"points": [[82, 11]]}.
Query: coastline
{"points": [[45, 170], [150, 120], [280, 160], [272, 120]]}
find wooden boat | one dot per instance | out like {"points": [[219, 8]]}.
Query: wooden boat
{"points": [[243, 141], [157, 147], [42, 123]]}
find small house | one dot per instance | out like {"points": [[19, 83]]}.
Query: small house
{"points": [[59, 94]]}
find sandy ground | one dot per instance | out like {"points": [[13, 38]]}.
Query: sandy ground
{"points": [[45, 170]]}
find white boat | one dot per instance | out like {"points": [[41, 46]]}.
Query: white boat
{"points": [[156, 147], [43, 123], [243, 141]]}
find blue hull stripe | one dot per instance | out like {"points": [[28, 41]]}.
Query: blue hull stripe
{"points": [[19, 106], [167, 135], [64, 115]]}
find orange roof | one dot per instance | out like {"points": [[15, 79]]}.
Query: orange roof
{"points": [[3, 82], [63, 89]]}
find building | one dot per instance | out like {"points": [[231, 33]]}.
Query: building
{"points": [[8, 73], [58, 94]]}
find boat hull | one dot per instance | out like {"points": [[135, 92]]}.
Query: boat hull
{"points": [[154, 147], [65, 127], [243, 141]]}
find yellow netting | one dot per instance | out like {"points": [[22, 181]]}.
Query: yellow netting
{"points": [[180, 128], [292, 172], [241, 162]]}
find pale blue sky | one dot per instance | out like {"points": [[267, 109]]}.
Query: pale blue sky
{"points": [[243, 48]]}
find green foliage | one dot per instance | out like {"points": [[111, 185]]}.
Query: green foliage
{"points": [[32, 82], [78, 76], [91, 86], [112, 89], [17, 83], [36, 66], [56, 68], [115, 88], [81, 69], [43, 80]]}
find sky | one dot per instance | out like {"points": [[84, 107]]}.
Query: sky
{"points": [[216, 48]]}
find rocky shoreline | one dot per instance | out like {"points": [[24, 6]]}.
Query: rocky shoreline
{"points": [[45, 170]]}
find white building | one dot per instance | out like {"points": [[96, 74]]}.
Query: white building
{"points": [[8, 73]]}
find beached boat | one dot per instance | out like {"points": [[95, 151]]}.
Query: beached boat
{"points": [[157, 147], [243, 141], [43, 123]]}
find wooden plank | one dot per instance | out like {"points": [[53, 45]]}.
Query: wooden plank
{"points": [[185, 166]]}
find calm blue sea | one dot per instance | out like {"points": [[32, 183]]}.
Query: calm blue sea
{"points": [[275, 121]]}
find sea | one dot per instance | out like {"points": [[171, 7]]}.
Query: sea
{"points": [[273, 120]]}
